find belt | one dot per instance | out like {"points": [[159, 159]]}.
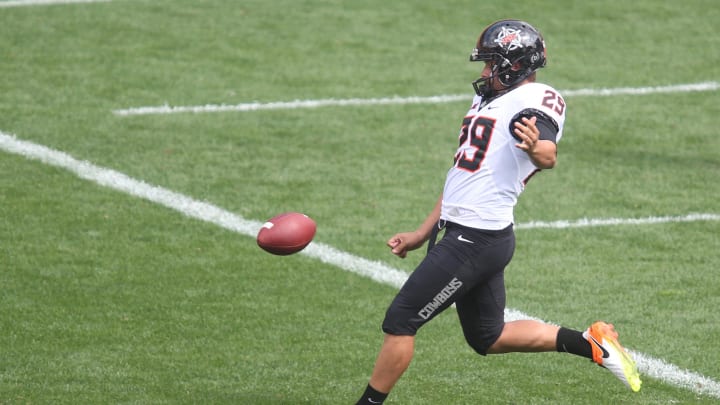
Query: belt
{"points": [[434, 233]]}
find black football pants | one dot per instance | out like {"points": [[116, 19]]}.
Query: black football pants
{"points": [[466, 267]]}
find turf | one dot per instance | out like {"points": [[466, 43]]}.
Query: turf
{"points": [[107, 298]]}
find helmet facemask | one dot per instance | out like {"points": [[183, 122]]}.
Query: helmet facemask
{"points": [[484, 85]]}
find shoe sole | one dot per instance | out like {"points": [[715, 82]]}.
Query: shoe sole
{"points": [[628, 365]]}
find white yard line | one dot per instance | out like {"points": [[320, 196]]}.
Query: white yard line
{"points": [[585, 222], [380, 272], [20, 3], [289, 105]]}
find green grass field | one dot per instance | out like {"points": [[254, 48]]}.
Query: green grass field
{"points": [[110, 298]]}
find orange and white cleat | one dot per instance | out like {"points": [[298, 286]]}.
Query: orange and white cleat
{"points": [[607, 352]]}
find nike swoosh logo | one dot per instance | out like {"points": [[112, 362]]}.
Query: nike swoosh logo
{"points": [[374, 402], [461, 239], [490, 107], [606, 354]]}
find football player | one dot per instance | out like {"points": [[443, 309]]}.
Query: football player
{"points": [[509, 134]]}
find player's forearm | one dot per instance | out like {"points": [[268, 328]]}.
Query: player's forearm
{"points": [[544, 155]]}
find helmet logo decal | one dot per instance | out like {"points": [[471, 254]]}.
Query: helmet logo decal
{"points": [[509, 38]]}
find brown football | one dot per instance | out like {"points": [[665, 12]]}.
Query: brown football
{"points": [[286, 233]]}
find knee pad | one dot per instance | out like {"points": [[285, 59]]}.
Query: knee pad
{"points": [[481, 341], [397, 322]]}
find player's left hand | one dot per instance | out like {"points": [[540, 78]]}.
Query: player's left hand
{"points": [[528, 133]]}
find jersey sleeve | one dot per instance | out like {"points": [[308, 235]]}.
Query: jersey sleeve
{"points": [[548, 105], [546, 124]]}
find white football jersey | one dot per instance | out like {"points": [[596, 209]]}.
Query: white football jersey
{"points": [[490, 172]]}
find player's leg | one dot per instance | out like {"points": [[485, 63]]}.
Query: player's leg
{"points": [[482, 314], [429, 290], [481, 318], [526, 336], [392, 361], [598, 343], [482, 309]]}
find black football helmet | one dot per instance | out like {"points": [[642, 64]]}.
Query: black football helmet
{"points": [[515, 48]]}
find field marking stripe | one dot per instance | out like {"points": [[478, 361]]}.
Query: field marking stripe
{"points": [[289, 105], [20, 3], [374, 270], [586, 222]]}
